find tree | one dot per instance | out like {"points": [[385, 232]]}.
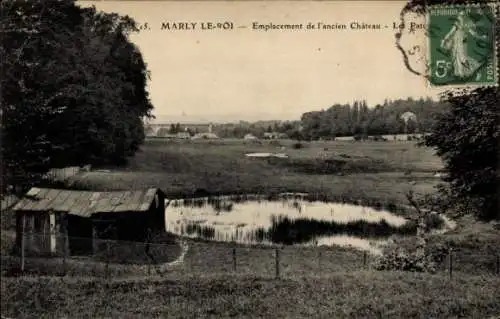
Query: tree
{"points": [[342, 120], [73, 89], [173, 129], [467, 139], [411, 126], [162, 132], [148, 130]]}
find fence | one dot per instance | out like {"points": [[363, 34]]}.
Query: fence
{"points": [[112, 258]]}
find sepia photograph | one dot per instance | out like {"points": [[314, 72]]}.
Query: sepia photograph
{"points": [[250, 159]]}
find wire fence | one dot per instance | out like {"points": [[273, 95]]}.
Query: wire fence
{"points": [[41, 254]]}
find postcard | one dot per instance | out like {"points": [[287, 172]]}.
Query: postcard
{"points": [[275, 159]]}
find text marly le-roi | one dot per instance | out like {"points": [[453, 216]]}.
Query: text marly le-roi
{"points": [[226, 25]]}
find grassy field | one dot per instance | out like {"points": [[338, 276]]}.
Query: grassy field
{"points": [[358, 294], [476, 249], [355, 170], [315, 281]]}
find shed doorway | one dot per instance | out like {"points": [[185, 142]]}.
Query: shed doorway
{"points": [[80, 235]]}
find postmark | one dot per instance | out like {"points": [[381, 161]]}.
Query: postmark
{"points": [[410, 41], [462, 45]]}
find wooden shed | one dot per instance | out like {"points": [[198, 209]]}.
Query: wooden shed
{"points": [[59, 221]]}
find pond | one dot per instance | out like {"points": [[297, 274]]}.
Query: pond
{"points": [[290, 219]]}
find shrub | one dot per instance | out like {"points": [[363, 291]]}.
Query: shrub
{"points": [[403, 260], [285, 230], [466, 138], [298, 145], [434, 221]]}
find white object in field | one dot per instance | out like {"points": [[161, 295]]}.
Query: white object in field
{"points": [[279, 155], [250, 137]]}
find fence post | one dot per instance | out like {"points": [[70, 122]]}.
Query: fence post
{"points": [[64, 256], [498, 264], [319, 260], [277, 263], [365, 257], [234, 259], [66, 245], [106, 271], [23, 228], [94, 239], [450, 263]]}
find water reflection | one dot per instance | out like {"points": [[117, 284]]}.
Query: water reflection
{"points": [[284, 218]]}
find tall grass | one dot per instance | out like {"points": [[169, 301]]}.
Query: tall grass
{"points": [[287, 231], [225, 202], [292, 231], [201, 231], [363, 295]]}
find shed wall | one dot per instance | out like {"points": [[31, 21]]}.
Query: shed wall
{"points": [[43, 233]]}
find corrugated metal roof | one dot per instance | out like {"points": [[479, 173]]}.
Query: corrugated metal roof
{"points": [[85, 203]]}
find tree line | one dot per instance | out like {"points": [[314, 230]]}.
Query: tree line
{"points": [[230, 130], [73, 89], [358, 119]]}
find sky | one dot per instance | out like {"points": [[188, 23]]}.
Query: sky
{"points": [[250, 74]]}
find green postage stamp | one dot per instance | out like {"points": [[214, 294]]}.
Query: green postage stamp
{"points": [[462, 45]]}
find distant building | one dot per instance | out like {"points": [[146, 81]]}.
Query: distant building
{"points": [[274, 135], [206, 136], [250, 137], [344, 138], [269, 135], [183, 135], [403, 137], [55, 220]]}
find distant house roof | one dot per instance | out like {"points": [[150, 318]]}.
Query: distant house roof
{"points": [[85, 203], [250, 137], [205, 135], [275, 134], [183, 135]]}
